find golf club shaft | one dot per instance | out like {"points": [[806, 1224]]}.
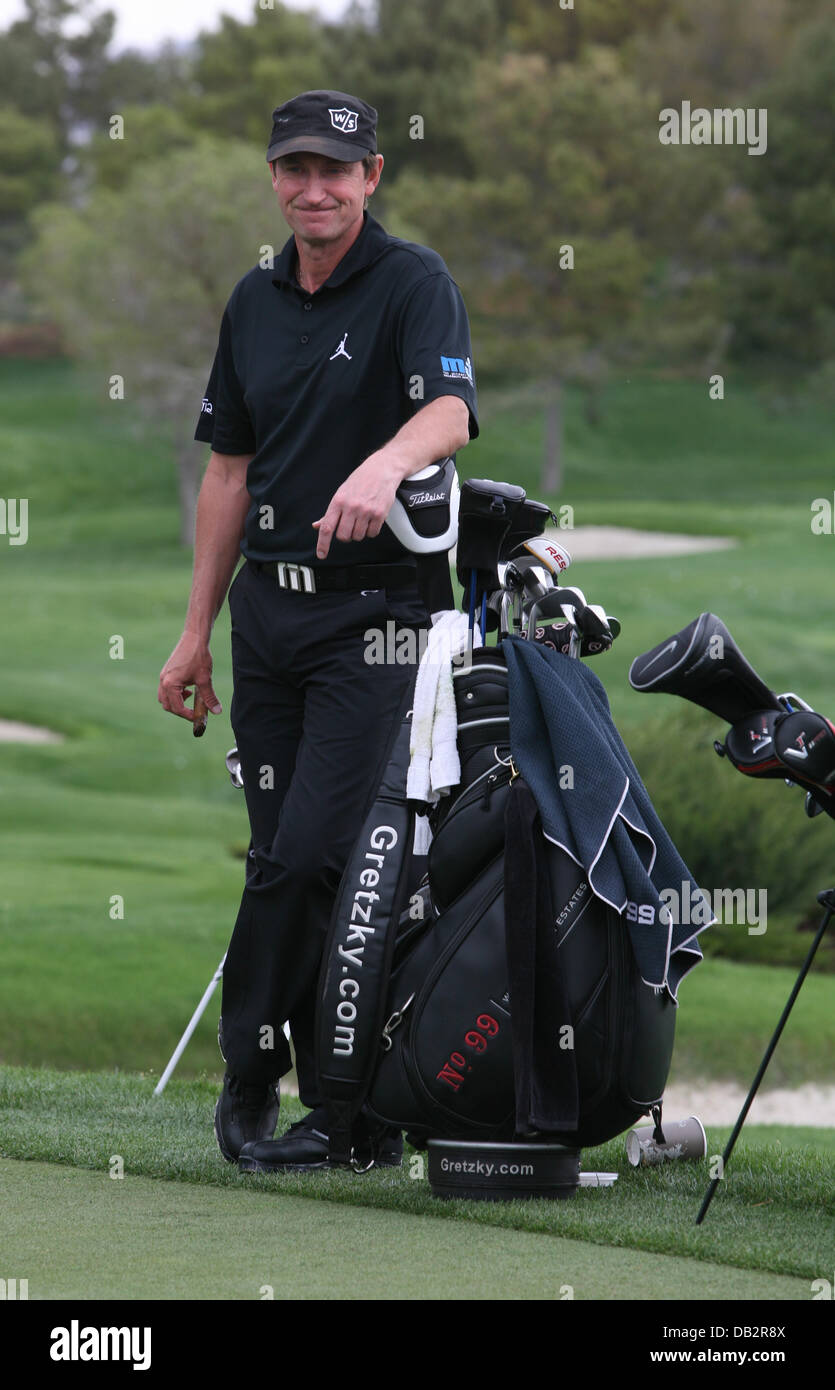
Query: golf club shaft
{"points": [[516, 609], [505, 618], [829, 899]]}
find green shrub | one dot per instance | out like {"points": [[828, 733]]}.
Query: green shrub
{"points": [[734, 832]]}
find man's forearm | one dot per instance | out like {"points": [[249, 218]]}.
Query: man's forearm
{"points": [[360, 506], [221, 511], [438, 429]]}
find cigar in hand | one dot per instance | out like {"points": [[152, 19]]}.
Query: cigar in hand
{"points": [[201, 716]]}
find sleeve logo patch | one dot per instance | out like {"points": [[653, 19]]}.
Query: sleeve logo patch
{"points": [[457, 368]]}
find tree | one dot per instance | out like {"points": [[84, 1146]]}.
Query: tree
{"points": [[52, 64], [27, 171], [145, 134], [562, 29], [784, 297], [242, 71], [559, 239], [415, 64], [138, 279], [714, 53], [407, 61], [27, 177]]}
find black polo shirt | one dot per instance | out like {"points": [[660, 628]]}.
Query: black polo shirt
{"points": [[311, 384]]}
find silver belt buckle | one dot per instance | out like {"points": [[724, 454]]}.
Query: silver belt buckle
{"points": [[299, 578]]}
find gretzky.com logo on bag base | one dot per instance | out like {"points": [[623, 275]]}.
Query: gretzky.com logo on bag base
{"points": [[491, 1172]]}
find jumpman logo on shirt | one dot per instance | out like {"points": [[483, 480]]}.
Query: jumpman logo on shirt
{"points": [[340, 351]]}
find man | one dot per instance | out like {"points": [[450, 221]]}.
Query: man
{"points": [[340, 371]]}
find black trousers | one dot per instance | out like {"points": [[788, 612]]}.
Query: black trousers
{"points": [[312, 718]]}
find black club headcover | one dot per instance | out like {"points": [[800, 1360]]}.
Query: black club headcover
{"points": [[800, 745]]}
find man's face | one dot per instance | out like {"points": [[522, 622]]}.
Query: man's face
{"points": [[321, 198]]}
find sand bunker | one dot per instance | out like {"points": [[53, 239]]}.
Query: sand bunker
{"points": [[13, 732], [624, 543], [719, 1103]]}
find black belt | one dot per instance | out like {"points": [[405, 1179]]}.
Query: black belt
{"points": [[310, 579]]}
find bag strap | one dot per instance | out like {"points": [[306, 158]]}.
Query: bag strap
{"points": [[434, 582], [544, 1061], [358, 951]]}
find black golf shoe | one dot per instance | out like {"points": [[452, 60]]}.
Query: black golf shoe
{"points": [[304, 1147], [245, 1113]]}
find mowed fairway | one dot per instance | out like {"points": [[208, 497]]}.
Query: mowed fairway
{"points": [[77, 1234]]}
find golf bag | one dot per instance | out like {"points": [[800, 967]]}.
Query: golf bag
{"points": [[503, 999]]}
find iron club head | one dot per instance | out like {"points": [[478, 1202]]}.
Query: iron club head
{"points": [[233, 767]]}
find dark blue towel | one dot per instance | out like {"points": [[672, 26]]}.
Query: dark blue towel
{"points": [[594, 804]]}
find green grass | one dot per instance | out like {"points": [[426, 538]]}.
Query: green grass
{"points": [[772, 1214], [663, 449], [79, 1235], [130, 805], [76, 1234], [727, 1013]]}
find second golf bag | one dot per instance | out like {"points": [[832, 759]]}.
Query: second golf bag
{"points": [[502, 1000]]}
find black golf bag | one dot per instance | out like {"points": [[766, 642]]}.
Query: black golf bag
{"points": [[503, 999]]}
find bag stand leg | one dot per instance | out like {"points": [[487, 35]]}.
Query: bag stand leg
{"points": [[827, 900], [192, 1024], [190, 1027]]}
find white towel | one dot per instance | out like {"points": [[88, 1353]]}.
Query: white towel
{"points": [[445, 765], [435, 766]]}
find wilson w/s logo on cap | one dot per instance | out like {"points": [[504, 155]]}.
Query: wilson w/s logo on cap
{"points": [[457, 368], [343, 119]]}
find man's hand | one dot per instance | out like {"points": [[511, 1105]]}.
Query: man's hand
{"points": [[189, 665], [360, 506]]}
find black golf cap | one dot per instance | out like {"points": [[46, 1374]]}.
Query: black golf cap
{"points": [[330, 123]]}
